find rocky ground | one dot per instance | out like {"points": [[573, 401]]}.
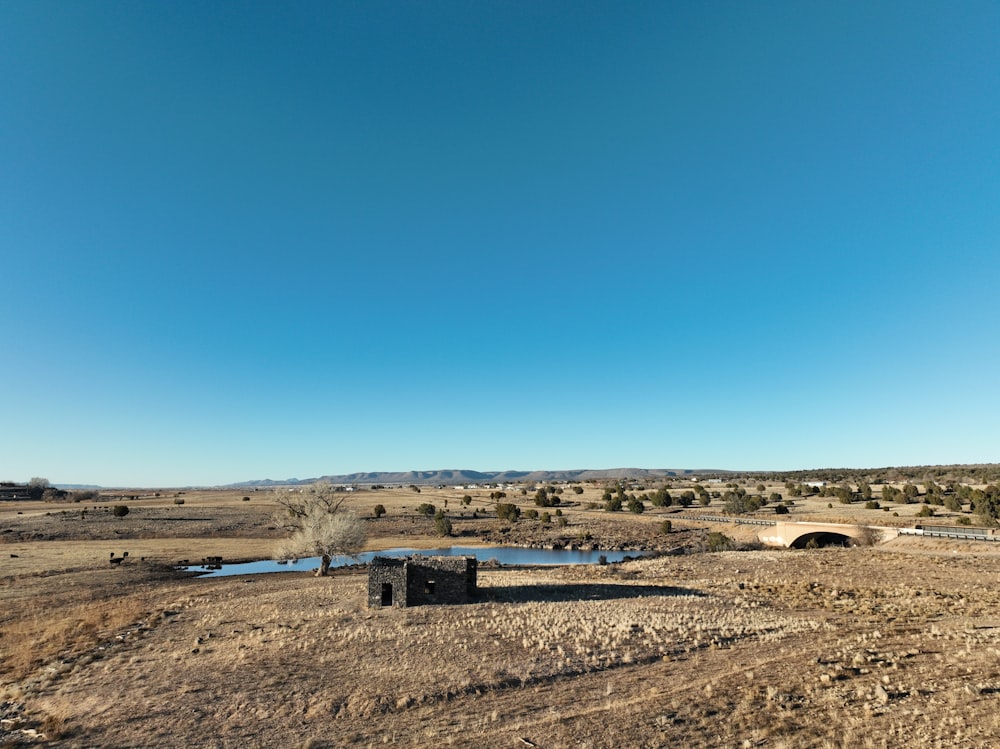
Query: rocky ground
{"points": [[888, 646]]}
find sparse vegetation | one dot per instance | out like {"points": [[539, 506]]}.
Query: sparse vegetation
{"points": [[808, 638]]}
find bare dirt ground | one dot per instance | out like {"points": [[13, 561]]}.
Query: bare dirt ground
{"points": [[890, 646]]}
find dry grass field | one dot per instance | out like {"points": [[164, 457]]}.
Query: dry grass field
{"points": [[890, 646]]}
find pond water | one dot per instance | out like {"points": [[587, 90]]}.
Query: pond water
{"points": [[502, 554]]}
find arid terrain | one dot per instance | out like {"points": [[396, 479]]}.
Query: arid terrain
{"points": [[892, 645]]}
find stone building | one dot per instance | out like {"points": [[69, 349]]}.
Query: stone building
{"points": [[417, 581]]}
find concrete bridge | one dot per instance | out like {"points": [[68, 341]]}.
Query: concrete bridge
{"points": [[798, 535]]}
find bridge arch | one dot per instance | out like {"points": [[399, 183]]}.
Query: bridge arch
{"points": [[822, 539], [799, 535]]}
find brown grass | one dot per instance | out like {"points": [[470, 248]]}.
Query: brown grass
{"points": [[834, 648]]}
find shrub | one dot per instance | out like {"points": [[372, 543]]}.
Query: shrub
{"points": [[425, 508], [467, 500], [613, 504], [545, 517], [926, 512], [780, 510], [531, 514], [561, 522], [120, 511], [636, 505], [245, 499], [602, 559], [666, 527], [964, 520], [509, 512], [558, 513], [378, 510], [661, 498], [737, 502], [442, 525], [578, 490], [718, 541], [179, 501]]}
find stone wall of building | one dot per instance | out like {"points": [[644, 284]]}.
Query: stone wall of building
{"points": [[387, 582], [417, 581], [441, 580]]}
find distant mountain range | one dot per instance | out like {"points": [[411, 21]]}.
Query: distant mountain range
{"points": [[457, 476]]}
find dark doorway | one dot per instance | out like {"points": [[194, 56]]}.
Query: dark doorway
{"points": [[387, 594], [429, 587]]}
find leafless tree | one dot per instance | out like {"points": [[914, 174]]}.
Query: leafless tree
{"points": [[318, 524]]}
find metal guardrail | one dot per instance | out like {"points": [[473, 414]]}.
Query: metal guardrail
{"points": [[973, 534], [737, 521]]}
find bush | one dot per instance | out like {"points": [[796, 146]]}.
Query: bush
{"points": [[718, 541], [120, 511], [509, 512], [578, 490], [661, 498], [666, 527], [378, 510], [780, 510], [466, 500], [561, 522], [737, 502], [964, 520], [545, 517], [177, 501], [246, 499], [531, 514], [636, 505], [926, 512], [442, 525], [872, 504], [425, 508], [613, 504]]}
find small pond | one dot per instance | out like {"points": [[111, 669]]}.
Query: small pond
{"points": [[502, 554]]}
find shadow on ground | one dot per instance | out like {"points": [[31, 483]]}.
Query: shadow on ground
{"points": [[579, 592]]}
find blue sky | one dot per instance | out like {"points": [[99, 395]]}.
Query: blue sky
{"points": [[266, 240]]}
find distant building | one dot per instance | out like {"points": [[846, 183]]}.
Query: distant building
{"points": [[419, 581]]}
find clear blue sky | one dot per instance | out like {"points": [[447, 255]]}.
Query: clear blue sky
{"points": [[265, 240]]}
